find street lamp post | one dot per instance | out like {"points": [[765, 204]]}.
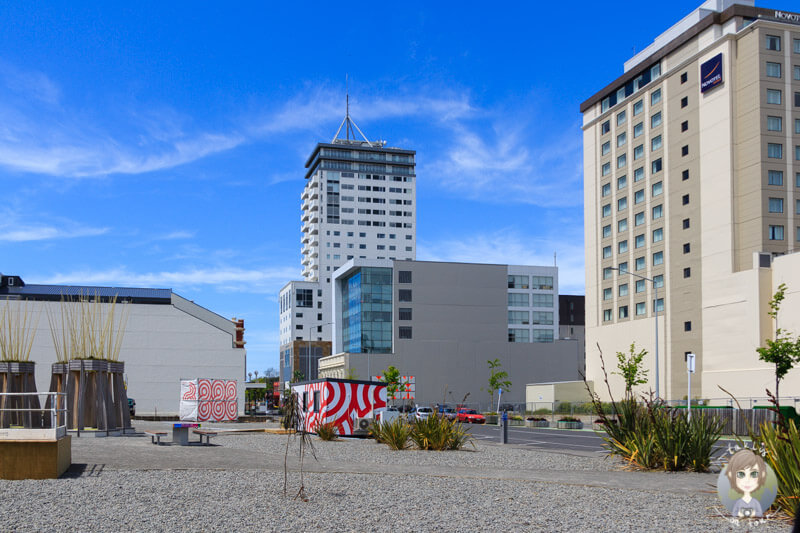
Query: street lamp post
{"points": [[655, 307]]}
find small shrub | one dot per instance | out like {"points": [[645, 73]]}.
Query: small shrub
{"points": [[516, 417], [394, 434], [326, 431], [782, 442], [568, 419], [438, 433], [537, 419]]}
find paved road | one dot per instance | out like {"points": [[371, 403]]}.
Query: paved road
{"points": [[581, 442]]}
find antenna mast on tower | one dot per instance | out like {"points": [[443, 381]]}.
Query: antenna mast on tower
{"points": [[349, 125]]}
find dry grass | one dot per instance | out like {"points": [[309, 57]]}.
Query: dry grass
{"points": [[88, 328], [17, 329]]}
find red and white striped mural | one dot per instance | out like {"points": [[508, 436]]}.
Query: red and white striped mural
{"points": [[208, 400], [339, 401]]}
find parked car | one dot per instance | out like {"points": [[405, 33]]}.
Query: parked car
{"points": [[132, 406], [471, 415], [422, 412], [448, 413]]}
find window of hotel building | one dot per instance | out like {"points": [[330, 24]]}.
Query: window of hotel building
{"points": [[404, 332], [542, 283], [797, 153], [685, 175], [517, 317], [797, 207], [623, 267], [687, 247], [684, 101], [684, 77], [655, 143], [542, 300], [622, 203], [622, 181], [686, 223], [658, 234], [685, 149], [796, 72], [606, 210], [638, 218], [658, 211], [658, 281], [638, 174], [623, 311], [687, 326], [606, 169], [774, 151], [658, 305], [655, 97], [639, 241], [517, 299], [638, 107], [621, 139], [608, 273], [796, 46], [775, 233], [605, 148], [655, 120], [797, 99], [605, 190], [605, 127], [797, 179], [684, 125], [405, 313], [621, 118], [656, 166], [622, 246], [798, 233], [606, 315], [685, 199], [639, 263], [776, 205], [638, 196], [607, 231], [774, 43], [623, 289], [658, 258], [518, 282], [687, 272], [638, 129], [638, 152], [542, 335], [774, 123], [641, 308], [773, 96], [542, 318], [773, 70], [657, 188], [622, 225], [775, 177], [640, 285], [404, 295], [607, 293], [622, 160]]}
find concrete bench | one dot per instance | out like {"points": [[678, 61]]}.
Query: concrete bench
{"points": [[155, 436], [205, 433]]}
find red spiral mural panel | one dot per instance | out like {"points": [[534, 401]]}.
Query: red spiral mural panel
{"points": [[191, 393], [218, 410], [217, 390], [230, 390], [204, 411], [231, 411], [204, 389]]}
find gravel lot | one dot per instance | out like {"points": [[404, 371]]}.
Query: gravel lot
{"points": [[447, 491]]}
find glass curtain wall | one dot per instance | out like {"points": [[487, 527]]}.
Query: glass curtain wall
{"points": [[366, 313]]}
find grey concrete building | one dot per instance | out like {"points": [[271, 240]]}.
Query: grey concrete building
{"points": [[441, 322]]}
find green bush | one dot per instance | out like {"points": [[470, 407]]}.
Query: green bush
{"points": [[326, 431], [782, 443], [439, 433], [394, 434]]}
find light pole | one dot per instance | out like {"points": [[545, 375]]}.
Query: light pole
{"points": [[655, 306]]}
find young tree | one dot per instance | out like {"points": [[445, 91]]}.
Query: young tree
{"points": [[392, 378], [498, 379], [630, 368], [783, 352]]}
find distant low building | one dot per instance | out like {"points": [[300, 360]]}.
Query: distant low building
{"points": [[167, 338]]}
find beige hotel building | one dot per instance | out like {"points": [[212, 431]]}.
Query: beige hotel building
{"points": [[692, 188]]}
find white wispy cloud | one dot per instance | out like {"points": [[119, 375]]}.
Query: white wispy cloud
{"points": [[175, 235], [17, 228], [224, 278], [512, 248]]}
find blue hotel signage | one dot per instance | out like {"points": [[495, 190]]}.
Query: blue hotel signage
{"points": [[711, 73]]}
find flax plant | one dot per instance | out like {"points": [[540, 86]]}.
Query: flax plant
{"points": [[88, 329], [17, 329]]}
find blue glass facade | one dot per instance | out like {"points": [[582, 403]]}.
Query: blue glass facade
{"points": [[366, 313]]}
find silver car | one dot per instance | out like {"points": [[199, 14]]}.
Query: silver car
{"points": [[423, 412]]}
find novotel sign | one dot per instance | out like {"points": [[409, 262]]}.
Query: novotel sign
{"points": [[790, 17], [711, 73]]}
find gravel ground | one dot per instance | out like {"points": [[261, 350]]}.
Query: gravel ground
{"points": [[109, 498]]}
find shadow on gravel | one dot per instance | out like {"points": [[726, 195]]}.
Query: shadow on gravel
{"points": [[78, 470]]}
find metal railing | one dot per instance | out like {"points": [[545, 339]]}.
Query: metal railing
{"points": [[23, 410]]}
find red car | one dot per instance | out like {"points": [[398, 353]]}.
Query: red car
{"points": [[471, 415]]}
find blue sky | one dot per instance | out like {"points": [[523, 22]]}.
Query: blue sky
{"points": [[162, 144]]}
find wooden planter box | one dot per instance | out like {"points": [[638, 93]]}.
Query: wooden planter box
{"points": [[538, 423], [516, 422], [570, 425], [492, 419]]}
